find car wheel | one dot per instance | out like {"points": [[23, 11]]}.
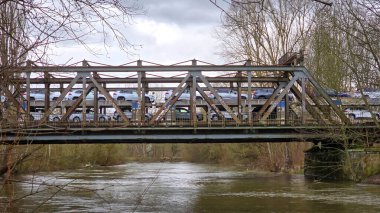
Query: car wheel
{"points": [[261, 97], [102, 119], [121, 98], [76, 119], [147, 100], [31, 118], [55, 98], [352, 117], [243, 97], [214, 118], [101, 99], [56, 119], [32, 99], [146, 118], [75, 98], [198, 98]]}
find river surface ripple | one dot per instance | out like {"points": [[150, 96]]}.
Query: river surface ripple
{"points": [[183, 187]]}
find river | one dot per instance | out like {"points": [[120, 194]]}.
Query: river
{"points": [[182, 187]]}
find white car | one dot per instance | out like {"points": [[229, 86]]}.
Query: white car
{"points": [[39, 95], [90, 116], [131, 95], [360, 113], [38, 114], [184, 96], [75, 94], [214, 116], [128, 113], [228, 94]]}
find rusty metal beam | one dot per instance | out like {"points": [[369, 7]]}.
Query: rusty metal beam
{"points": [[160, 68], [76, 104], [209, 101], [309, 108], [323, 93], [279, 98], [228, 109], [109, 98], [155, 80], [59, 100], [168, 103]]}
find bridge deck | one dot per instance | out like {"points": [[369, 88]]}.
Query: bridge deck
{"points": [[186, 134]]}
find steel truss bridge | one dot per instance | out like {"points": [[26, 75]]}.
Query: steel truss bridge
{"points": [[311, 116]]}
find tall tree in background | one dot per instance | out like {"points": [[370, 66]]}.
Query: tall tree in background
{"points": [[265, 30], [29, 28]]}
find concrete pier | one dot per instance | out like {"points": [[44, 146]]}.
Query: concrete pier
{"points": [[334, 162]]}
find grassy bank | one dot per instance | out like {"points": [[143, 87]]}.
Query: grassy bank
{"points": [[262, 156]]}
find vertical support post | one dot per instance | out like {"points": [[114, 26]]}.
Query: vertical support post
{"points": [[96, 103], [193, 102], [193, 97], [61, 91], [303, 101], [144, 90], [104, 108], [139, 94], [287, 106], [47, 91], [28, 95], [239, 74], [84, 63], [249, 73]]}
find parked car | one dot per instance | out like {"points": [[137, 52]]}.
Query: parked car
{"points": [[184, 96], [266, 93], [39, 95], [360, 113], [185, 114], [228, 94], [90, 116], [75, 94], [214, 116], [129, 114], [131, 95], [38, 114], [263, 93]]}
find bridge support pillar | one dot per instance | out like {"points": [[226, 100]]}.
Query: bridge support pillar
{"points": [[331, 161]]}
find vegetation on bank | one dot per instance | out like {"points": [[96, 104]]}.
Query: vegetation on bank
{"points": [[261, 156]]}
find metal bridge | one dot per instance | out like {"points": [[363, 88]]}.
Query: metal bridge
{"points": [[298, 109]]}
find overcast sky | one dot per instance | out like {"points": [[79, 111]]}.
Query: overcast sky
{"points": [[170, 31]]}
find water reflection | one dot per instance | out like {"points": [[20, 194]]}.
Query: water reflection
{"points": [[184, 187]]}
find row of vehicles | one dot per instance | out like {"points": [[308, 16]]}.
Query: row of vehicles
{"points": [[77, 116], [226, 94], [180, 114], [229, 94], [125, 95]]}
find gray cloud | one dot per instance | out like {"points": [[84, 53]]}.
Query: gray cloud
{"points": [[182, 12]]}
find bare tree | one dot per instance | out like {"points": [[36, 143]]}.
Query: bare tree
{"points": [[29, 28], [36, 25], [265, 30]]}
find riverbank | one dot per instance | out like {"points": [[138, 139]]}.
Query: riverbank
{"points": [[375, 179], [266, 157]]}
